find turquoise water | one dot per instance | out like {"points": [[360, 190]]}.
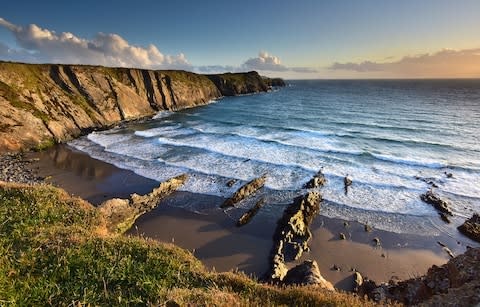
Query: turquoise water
{"points": [[384, 134]]}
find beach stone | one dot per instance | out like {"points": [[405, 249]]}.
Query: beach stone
{"points": [[441, 205], [16, 168], [471, 227], [245, 191], [307, 273], [342, 236]]}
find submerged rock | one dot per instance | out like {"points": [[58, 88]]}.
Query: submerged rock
{"points": [[317, 180], [231, 182], [307, 273], [439, 204], [347, 181], [245, 191], [247, 216], [471, 227], [120, 214], [293, 234]]}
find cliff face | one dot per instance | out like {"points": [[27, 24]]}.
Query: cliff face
{"points": [[43, 104]]}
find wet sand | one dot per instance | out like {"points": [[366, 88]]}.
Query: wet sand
{"points": [[219, 244]]}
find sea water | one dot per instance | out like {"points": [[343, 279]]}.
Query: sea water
{"points": [[392, 137]]}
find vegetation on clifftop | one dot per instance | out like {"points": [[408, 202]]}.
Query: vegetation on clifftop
{"points": [[56, 250]]}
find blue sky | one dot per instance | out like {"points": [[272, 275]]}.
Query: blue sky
{"points": [[293, 39]]}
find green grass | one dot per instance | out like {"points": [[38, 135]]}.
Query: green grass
{"points": [[55, 250]]}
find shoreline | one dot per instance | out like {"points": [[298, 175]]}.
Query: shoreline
{"points": [[219, 244]]}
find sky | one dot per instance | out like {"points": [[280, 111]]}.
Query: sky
{"points": [[309, 39]]}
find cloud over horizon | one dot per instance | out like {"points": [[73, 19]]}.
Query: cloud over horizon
{"points": [[443, 63], [43, 45], [263, 62]]}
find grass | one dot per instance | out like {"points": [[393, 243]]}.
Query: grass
{"points": [[55, 250]]}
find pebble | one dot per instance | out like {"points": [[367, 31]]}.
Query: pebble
{"points": [[15, 168]]}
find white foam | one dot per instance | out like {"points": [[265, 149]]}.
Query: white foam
{"points": [[163, 114], [410, 161]]}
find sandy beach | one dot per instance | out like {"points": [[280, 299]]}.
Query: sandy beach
{"points": [[220, 245]]}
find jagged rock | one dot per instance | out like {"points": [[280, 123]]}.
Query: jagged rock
{"points": [[307, 273], [376, 241], [439, 204], [367, 228], [336, 268], [292, 233], [245, 191], [247, 216], [318, 180], [120, 214], [471, 227], [459, 276], [449, 175]]}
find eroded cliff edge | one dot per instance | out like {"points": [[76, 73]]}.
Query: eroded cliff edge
{"points": [[47, 103]]}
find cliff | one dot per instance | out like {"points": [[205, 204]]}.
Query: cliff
{"points": [[47, 103]]}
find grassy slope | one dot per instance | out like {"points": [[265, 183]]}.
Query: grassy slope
{"points": [[54, 249]]}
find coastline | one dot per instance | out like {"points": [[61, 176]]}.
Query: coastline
{"points": [[219, 244]]}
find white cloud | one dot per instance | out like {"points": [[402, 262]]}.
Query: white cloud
{"points": [[104, 49], [444, 63], [263, 62]]}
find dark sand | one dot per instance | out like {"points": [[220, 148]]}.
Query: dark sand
{"points": [[219, 244]]}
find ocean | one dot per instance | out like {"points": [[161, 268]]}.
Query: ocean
{"points": [[394, 138]]}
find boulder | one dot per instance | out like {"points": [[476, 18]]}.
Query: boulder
{"points": [[245, 191], [438, 203], [307, 273], [471, 227], [357, 281]]}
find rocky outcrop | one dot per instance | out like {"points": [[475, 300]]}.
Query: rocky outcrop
{"points": [[441, 205], [293, 234], [277, 82], [245, 191], [441, 286], [231, 84], [471, 227], [120, 214], [41, 104]]}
